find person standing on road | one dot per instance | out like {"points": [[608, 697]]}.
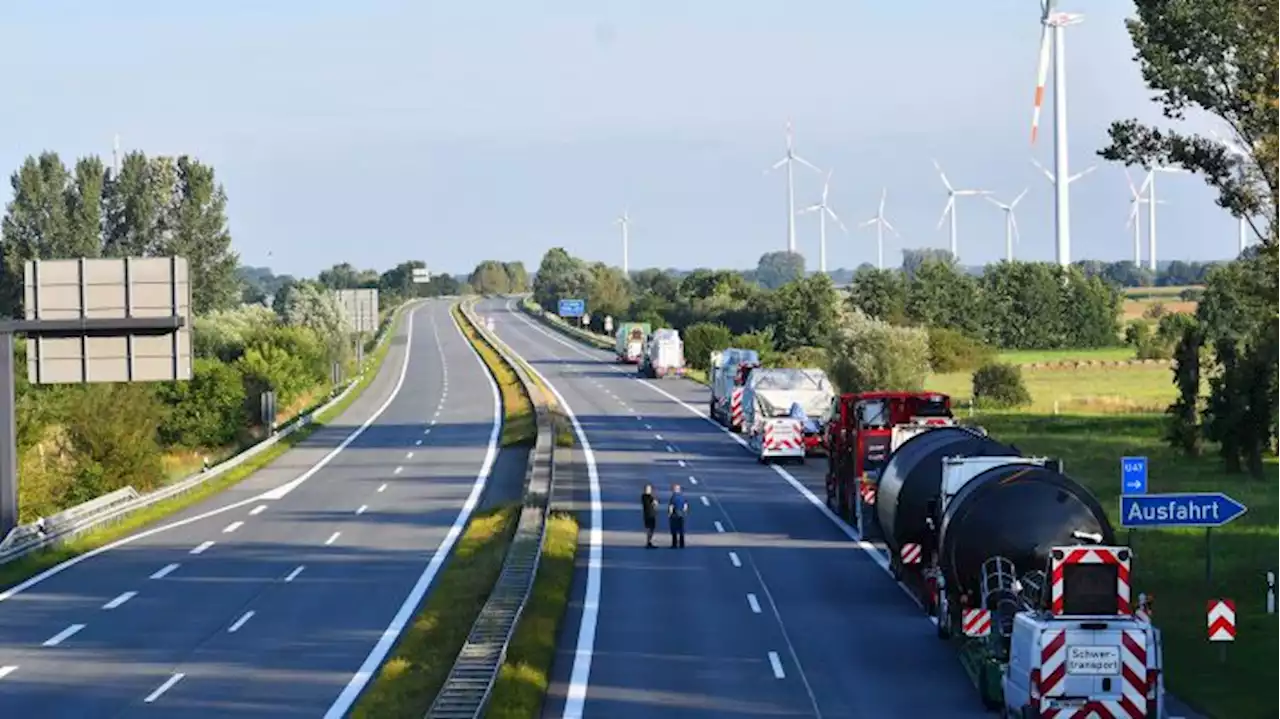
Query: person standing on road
{"points": [[649, 507], [677, 510]]}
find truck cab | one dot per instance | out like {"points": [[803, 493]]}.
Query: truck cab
{"points": [[1084, 652], [730, 369], [864, 429]]}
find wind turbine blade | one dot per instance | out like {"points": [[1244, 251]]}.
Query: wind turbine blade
{"points": [[1013, 220], [1129, 179], [1146, 182], [1042, 75], [993, 201], [943, 175], [1018, 199], [950, 201], [810, 208], [1133, 214], [1079, 175], [805, 162], [889, 227], [831, 213], [871, 221], [1042, 169], [883, 192], [777, 164]]}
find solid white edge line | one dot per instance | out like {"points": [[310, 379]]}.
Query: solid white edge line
{"points": [[62, 636], [383, 646], [165, 571], [60, 568], [168, 684], [776, 663], [579, 676], [6, 671], [240, 622], [755, 603], [119, 600]]}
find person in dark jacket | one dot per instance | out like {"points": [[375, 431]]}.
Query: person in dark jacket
{"points": [[677, 510], [649, 508]]}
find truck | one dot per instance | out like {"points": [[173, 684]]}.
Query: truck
{"points": [[1015, 561], [729, 370], [777, 403], [630, 338], [663, 355]]}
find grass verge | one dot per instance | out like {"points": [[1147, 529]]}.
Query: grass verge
{"points": [[1170, 564], [519, 424], [1082, 390], [29, 566], [522, 682], [409, 680]]}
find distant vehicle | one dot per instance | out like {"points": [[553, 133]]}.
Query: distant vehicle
{"points": [[663, 355], [776, 405], [729, 370], [630, 338]]}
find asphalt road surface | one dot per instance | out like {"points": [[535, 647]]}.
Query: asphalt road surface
{"points": [[277, 597], [771, 610]]}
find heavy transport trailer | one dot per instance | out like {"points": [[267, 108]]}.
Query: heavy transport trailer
{"points": [[630, 340], [663, 355], [969, 526], [777, 404], [729, 370]]}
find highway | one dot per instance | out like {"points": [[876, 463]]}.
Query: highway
{"points": [[280, 596], [772, 610]]}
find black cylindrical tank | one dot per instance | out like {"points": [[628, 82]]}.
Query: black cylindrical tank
{"points": [[913, 476], [1019, 512]]}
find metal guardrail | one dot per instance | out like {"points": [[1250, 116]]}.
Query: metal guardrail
{"points": [[29, 538], [554, 322], [466, 691]]}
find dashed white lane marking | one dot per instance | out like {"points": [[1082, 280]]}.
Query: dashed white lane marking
{"points": [[168, 684], [165, 571], [433, 422], [417, 443], [658, 437], [733, 557], [296, 571], [648, 426], [62, 636], [409, 456], [755, 605], [681, 462], [398, 470], [776, 663], [426, 431], [332, 538], [6, 671], [719, 526], [383, 488], [240, 622], [257, 510], [706, 502], [693, 479], [232, 527], [670, 448], [203, 546], [362, 509], [119, 600]]}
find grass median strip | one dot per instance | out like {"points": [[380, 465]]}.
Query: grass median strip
{"points": [[409, 680], [524, 678], [519, 424], [24, 568]]}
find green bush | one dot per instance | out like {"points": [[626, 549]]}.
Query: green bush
{"points": [[208, 410], [999, 385], [701, 339], [952, 351], [804, 358], [868, 354], [110, 431]]}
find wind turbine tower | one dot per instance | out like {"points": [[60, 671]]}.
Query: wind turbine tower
{"points": [[790, 159], [1150, 184], [950, 208], [881, 225], [1010, 224], [824, 210], [115, 157], [625, 222], [1135, 216], [1235, 149], [1053, 32]]}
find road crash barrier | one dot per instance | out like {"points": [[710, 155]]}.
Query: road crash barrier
{"points": [[466, 691], [45, 533], [555, 322]]}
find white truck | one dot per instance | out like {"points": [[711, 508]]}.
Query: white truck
{"points": [[729, 369], [777, 402], [630, 340], [663, 355]]}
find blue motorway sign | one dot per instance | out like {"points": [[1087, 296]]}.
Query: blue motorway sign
{"points": [[1133, 475], [572, 308], [1210, 509]]}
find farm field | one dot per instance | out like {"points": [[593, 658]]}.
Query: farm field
{"points": [[1083, 390], [1137, 300], [1104, 354], [1170, 564]]}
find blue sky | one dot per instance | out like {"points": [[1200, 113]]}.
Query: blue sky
{"points": [[379, 131]]}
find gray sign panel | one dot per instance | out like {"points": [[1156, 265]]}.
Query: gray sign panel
{"points": [[360, 307], [421, 275], [107, 289]]}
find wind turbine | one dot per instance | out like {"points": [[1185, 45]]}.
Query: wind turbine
{"points": [[824, 210], [1233, 148], [115, 157], [1010, 224], [625, 221], [950, 208], [1135, 218], [881, 224], [1052, 30], [1150, 184], [789, 159]]}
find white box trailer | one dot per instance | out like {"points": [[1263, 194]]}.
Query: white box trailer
{"points": [[663, 355], [729, 368], [767, 400]]}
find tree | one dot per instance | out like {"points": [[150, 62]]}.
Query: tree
{"points": [[35, 223], [868, 354], [880, 294], [609, 294], [397, 283], [701, 339], [1182, 430], [344, 276], [806, 312], [913, 259], [490, 278], [517, 277], [560, 276], [940, 295], [139, 206], [84, 209], [776, 269], [199, 233]]}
